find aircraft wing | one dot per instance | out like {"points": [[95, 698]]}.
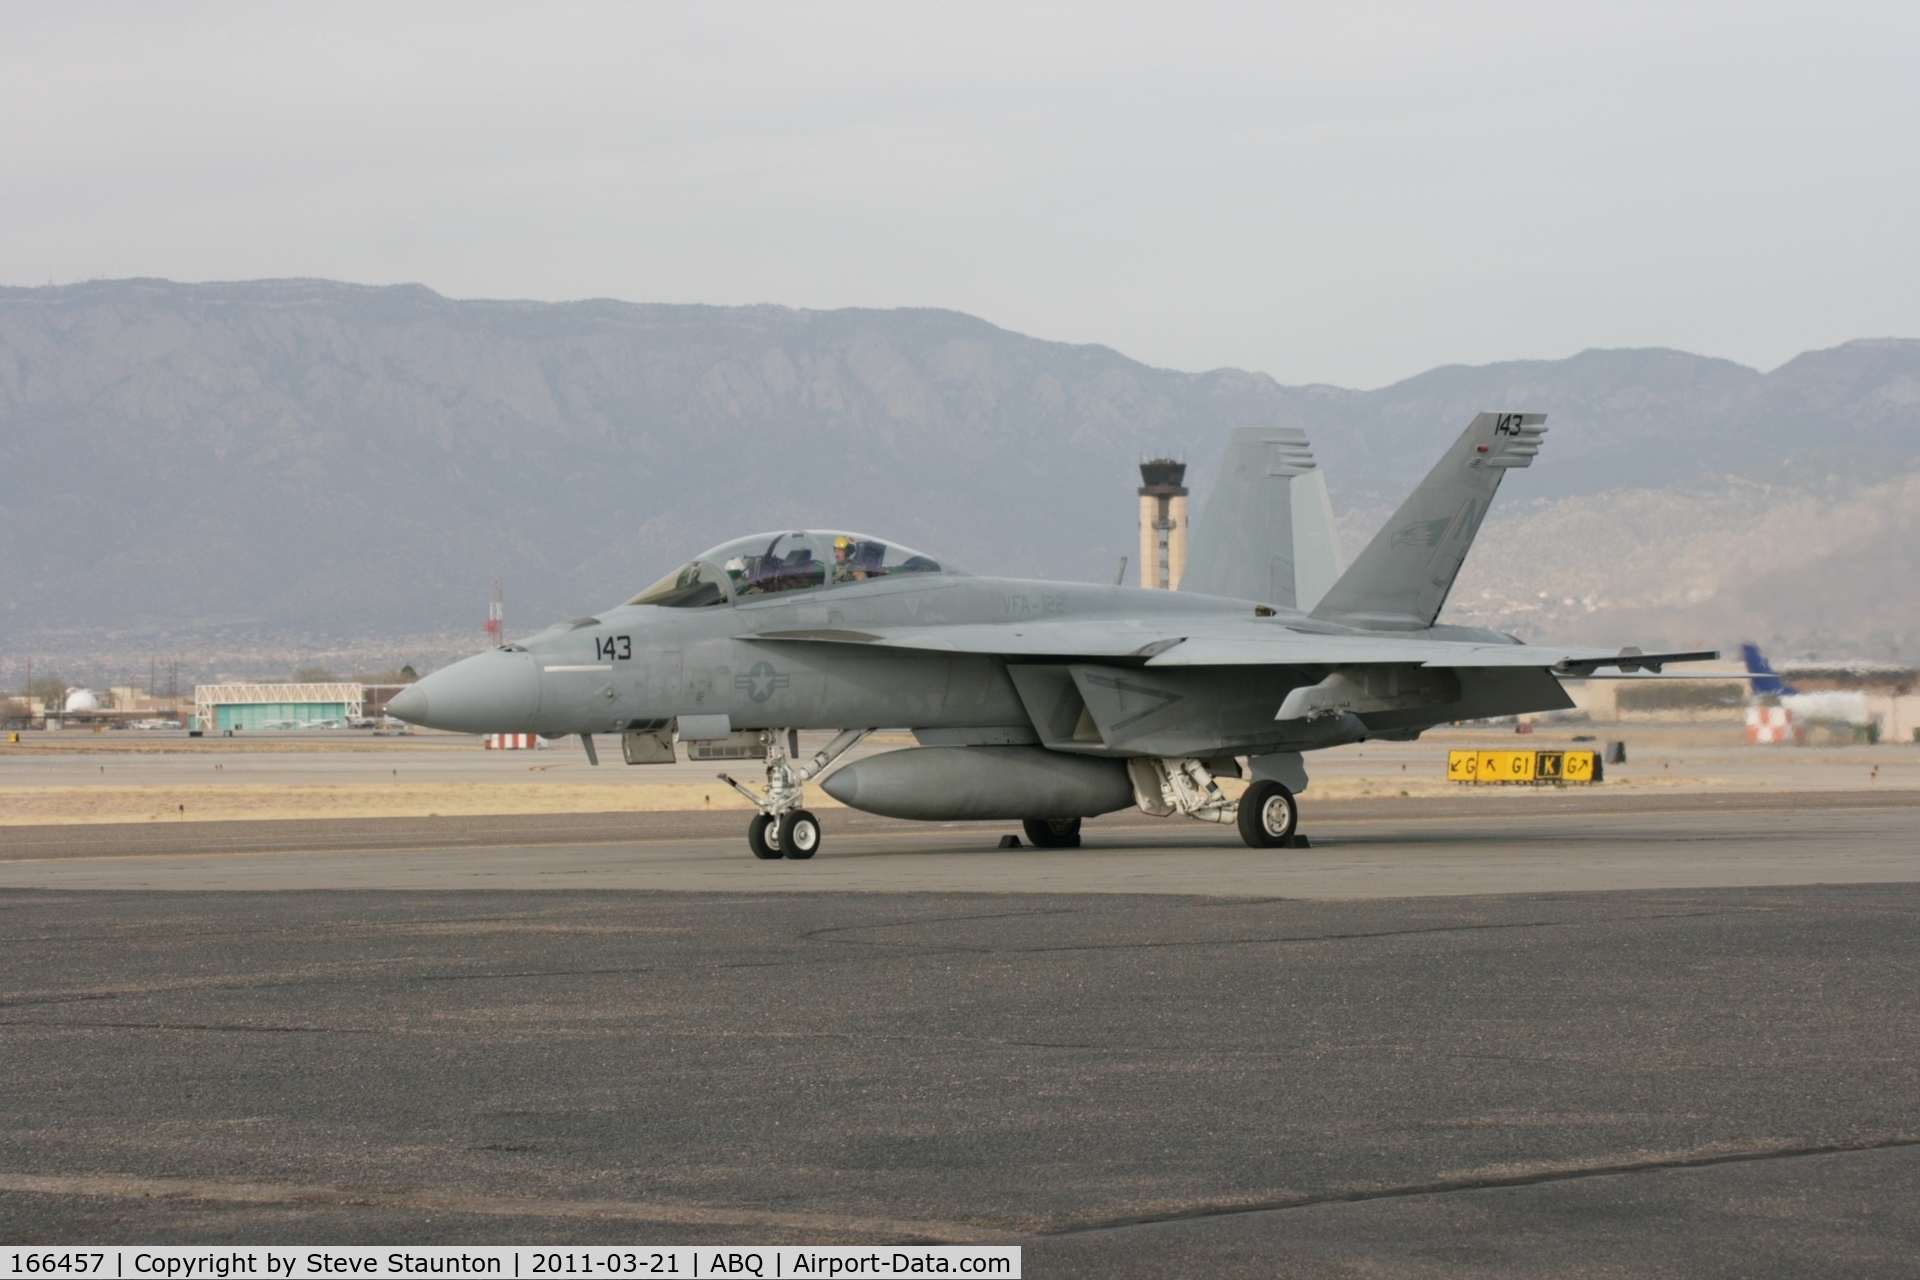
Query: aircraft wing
{"points": [[1187, 643]]}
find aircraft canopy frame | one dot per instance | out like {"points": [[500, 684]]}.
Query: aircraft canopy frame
{"points": [[773, 563]]}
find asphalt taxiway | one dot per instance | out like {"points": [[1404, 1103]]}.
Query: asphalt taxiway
{"points": [[1553, 1035], [1512, 842]]}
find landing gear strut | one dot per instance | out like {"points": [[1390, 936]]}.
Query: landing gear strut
{"points": [[782, 829]]}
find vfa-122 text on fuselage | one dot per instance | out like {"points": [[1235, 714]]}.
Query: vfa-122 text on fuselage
{"points": [[1045, 702]]}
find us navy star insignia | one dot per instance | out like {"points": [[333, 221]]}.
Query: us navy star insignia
{"points": [[762, 682]]}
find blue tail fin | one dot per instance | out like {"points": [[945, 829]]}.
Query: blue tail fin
{"points": [[1765, 683]]}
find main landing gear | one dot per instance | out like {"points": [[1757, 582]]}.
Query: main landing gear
{"points": [[1268, 816], [781, 828], [1052, 833]]}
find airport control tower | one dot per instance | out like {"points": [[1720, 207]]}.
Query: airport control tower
{"points": [[1163, 523]]}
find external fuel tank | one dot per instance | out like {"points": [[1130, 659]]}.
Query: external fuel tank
{"points": [[951, 784]]}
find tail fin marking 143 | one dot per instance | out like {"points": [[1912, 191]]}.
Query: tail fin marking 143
{"points": [[1401, 580]]}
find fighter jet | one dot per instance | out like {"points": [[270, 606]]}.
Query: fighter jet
{"points": [[1045, 702]]}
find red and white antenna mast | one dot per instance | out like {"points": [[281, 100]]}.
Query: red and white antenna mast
{"points": [[496, 634]]}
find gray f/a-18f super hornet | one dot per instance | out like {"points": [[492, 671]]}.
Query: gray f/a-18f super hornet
{"points": [[1045, 702]]}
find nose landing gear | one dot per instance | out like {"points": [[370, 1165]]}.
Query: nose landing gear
{"points": [[781, 828]]}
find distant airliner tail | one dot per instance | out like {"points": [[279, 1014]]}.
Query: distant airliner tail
{"points": [[1761, 675], [1267, 531], [1401, 580]]}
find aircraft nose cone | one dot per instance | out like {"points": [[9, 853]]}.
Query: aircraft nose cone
{"points": [[410, 704], [493, 692]]}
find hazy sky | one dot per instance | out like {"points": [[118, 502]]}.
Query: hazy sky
{"points": [[1337, 193]]}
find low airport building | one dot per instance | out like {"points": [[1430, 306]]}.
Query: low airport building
{"points": [[1878, 702], [221, 708], [1704, 696], [336, 704]]}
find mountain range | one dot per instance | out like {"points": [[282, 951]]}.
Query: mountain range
{"points": [[1817, 555], [278, 463]]}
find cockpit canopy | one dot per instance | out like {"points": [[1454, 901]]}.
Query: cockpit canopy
{"points": [[769, 562]]}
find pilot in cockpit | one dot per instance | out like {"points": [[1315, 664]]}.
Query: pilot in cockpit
{"points": [[846, 566]]}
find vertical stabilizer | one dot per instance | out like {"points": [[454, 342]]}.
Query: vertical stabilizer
{"points": [[1402, 578], [1267, 531], [1761, 675], [1316, 547]]}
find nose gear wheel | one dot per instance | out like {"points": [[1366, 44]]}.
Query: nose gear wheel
{"points": [[798, 834], [763, 837]]}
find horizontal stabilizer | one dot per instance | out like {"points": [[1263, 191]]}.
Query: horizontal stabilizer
{"points": [[1629, 661]]}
